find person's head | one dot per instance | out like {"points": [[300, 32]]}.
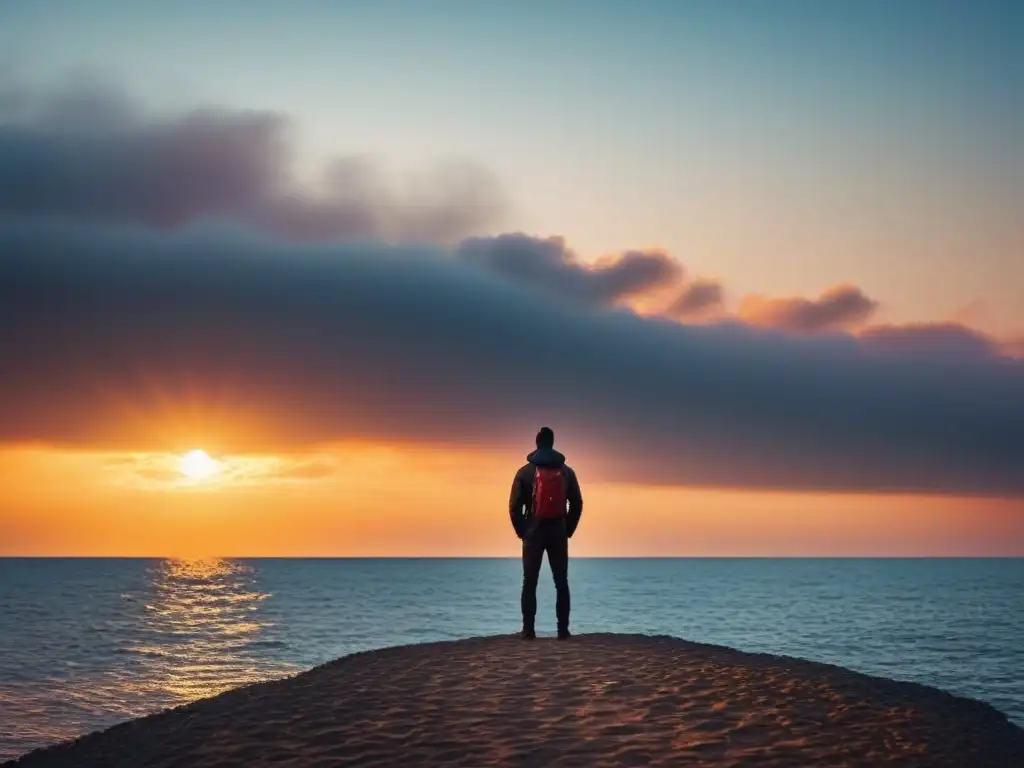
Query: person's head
{"points": [[546, 438]]}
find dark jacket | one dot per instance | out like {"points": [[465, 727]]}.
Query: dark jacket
{"points": [[521, 498]]}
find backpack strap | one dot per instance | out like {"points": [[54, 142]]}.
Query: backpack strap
{"points": [[534, 486]]}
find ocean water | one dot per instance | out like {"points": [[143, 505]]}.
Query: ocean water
{"points": [[88, 643]]}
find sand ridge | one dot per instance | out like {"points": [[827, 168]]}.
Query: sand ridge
{"points": [[597, 700]]}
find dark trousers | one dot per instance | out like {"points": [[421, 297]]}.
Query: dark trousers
{"points": [[546, 536]]}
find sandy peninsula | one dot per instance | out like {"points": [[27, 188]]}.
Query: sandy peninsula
{"points": [[597, 700]]}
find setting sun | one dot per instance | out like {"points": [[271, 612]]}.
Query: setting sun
{"points": [[198, 465]]}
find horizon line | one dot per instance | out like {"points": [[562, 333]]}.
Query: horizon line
{"points": [[514, 558]]}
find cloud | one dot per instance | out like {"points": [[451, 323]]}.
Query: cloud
{"points": [[88, 152], [127, 337], [307, 470], [159, 474], [974, 313], [549, 264], [1013, 347], [161, 471], [698, 299], [951, 340], [164, 277], [838, 308]]}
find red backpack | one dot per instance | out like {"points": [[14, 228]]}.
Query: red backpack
{"points": [[549, 493]]}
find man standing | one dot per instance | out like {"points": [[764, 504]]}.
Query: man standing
{"points": [[545, 507]]}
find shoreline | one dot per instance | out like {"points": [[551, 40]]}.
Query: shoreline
{"points": [[599, 699]]}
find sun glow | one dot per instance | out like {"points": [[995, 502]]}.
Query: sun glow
{"points": [[197, 465]]}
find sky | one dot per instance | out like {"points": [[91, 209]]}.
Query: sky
{"points": [[758, 264]]}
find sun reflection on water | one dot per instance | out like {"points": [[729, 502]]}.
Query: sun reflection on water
{"points": [[200, 630], [181, 630]]}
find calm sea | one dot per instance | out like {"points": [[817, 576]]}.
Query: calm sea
{"points": [[87, 643]]}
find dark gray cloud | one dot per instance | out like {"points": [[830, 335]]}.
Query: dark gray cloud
{"points": [[698, 299], [87, 152], [838, 308], [549, 264], [128, 337]]}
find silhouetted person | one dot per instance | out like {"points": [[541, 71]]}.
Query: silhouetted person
{"points": [[545, 507]]}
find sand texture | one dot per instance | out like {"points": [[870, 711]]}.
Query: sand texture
{"points": [[597, 700]]}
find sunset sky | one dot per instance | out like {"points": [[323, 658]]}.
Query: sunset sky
{"points": [[758, 264]]}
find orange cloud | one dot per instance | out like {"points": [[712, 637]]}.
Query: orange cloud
{"points": [[841, 307], [698, 300]]}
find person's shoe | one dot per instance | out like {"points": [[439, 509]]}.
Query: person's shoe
{"points": [[564, 634], [527, 634]]}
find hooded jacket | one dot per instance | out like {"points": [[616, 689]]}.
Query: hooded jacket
{"points": [[521, 497]]}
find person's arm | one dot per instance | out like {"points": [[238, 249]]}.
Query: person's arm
{"points": [[575, 498], [515, 506]]}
